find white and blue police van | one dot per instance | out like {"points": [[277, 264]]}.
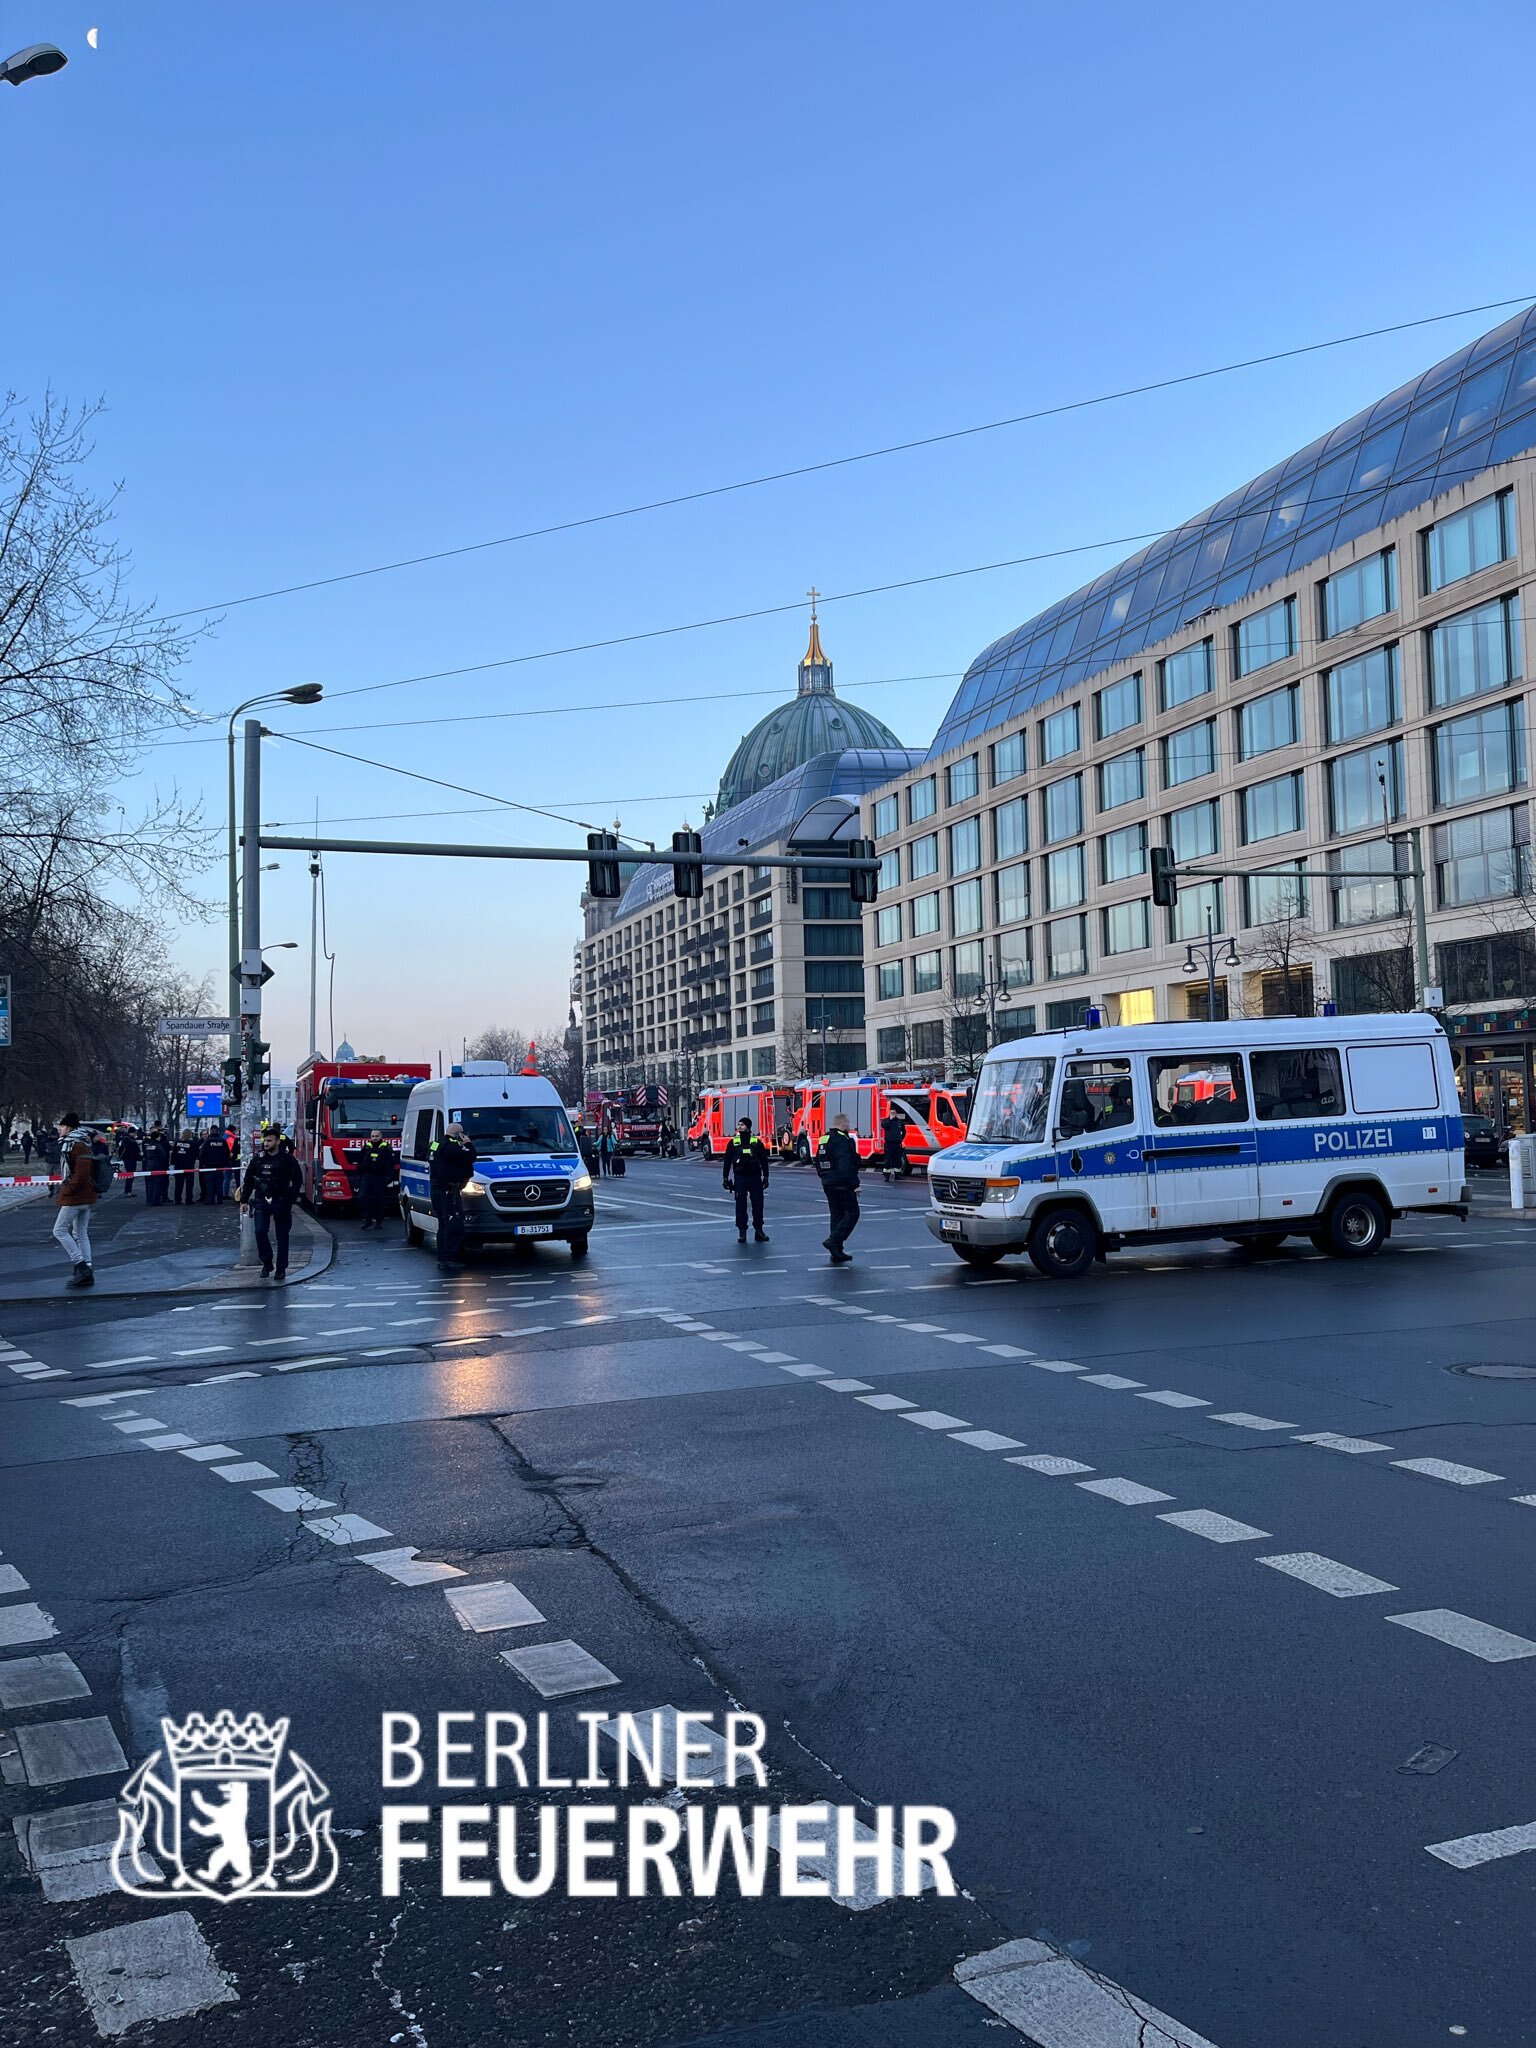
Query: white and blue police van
{"points": [[529, 1179], [1081, 1142]]}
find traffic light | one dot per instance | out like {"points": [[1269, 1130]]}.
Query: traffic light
{"points": [[1165, 883], [234, 1080], [863, 883], [602, 869], [687, 875], [258, 1068]]}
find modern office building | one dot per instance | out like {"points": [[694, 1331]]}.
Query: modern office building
{"points": [[763, 974], [1311, 683]]}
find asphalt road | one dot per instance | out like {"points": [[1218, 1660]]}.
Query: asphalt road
{"points": [[1204, 1697]]}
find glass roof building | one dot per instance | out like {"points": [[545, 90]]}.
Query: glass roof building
{"points": [[1474, 410]]}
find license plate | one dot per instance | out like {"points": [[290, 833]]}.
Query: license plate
{"points": [[952, 1227], [533, 1230]]}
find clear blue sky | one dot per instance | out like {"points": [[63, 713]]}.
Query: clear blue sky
{"points": [[362, 280]]}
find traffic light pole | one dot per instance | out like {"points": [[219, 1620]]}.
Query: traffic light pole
{"points": [[250, 968]]}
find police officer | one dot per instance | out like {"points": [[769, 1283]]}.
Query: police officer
{"points": [[271, 1186], [893, 1140], [747, 1161], [375, 1172], [837, 1162], [453, 1161], [184, 1170]]}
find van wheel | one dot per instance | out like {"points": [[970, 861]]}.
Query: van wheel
{"points": [[1063, 1243], [1356, 1226], [414, 1236], [977, 1254], [579, 1246]]}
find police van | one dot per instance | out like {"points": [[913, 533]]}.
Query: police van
{"points": [[1083, 1141], [529, 1179]]}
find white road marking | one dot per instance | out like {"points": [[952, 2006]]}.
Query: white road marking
{"points": [[106, 1364], [387, 1351], [340, 1528], [201, 1350], [347, 1330], [1524, 1500], [845, 1386], [886, 1403], [934, 1418], [1441, 1468], [1239, 1419], [1007, 1351], [11, 1580], [1213, 1527], [25, 1623], [292, 1500], [69, 1850], [1355, 1446], [922, 1329], [1116, 1382], [1478, 1638], [805, 1372], [1341, 1580], [958, 1337], [1467, 1851], [237, 1475], [1058, 2003], [409, 1322], [556, 1669], [39, 1681], [139, 1426], [298, 1364], [986, 1440], [407, 1569], [1129, 1492], [56, 1752], [1059, 1365], [1053, 1467], [654, 1730], [843, 1308], [496, 1603], [775, 1358], [173, 1440], [217, 1379], [159, 1969], [714, 1336], [260, 1343], [101, 1400], [818, 1860], [748, 1344], [1167, 1399], [204, 1454]]}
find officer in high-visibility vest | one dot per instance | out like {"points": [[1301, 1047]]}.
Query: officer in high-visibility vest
{"points": [[375, 1170], [747, 1160]]}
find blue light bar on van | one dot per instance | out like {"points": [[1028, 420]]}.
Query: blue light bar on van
{"points": [[456, 1073]]}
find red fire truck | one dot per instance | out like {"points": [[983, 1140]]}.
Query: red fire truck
{"points": [[640, 1118], [338, 1104], [936, 1115], [771, 1106]]}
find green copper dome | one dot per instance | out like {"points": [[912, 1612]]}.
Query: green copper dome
{"points": [[813, 722]]}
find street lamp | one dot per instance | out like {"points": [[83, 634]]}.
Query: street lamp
{"points": [[1207, 947], [37, 60], [301, 693]]}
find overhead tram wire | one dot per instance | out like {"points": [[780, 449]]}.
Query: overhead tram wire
{"points": [[849, 461]]}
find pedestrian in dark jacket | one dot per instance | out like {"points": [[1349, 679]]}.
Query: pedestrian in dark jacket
{"points": [[747, 1160], [376, 1171], [157, 1160], [271, 1186], [838, 1164], [26, 1146], [453, 1162], [183, 1168], [76, 1198], [893, 1145], [129, 1153], [213, 1164]]}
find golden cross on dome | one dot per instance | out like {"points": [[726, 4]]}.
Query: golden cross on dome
{"points": [[813, 593]]}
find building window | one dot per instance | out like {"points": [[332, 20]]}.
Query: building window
{"points": [[1365, 788], [1488, 970], [890, 869], [1482, 754], [928, 1040], [1366, 590], [830, 940], [762, 1017], [1189, 753], [1061, 734], [1123, 854], [1268, 722], [923, 857], [833, 977], [1012, 892], [890, 980], [927, 974], [1062, 807], [887, 816], [923, 914], [1270, 809], [888, 925], [1186, 675], [1468, 541], [1359, 899], [762, 981], [830, 903], [763, 1061], [1007, 758], [1477, 651], [1065, 878], [922, 799], [1010, 830], [1264, 637], [1187, 919], [891, 1045], [964, 779], [1128, 927], [1362, 696], [1015, 959], [1195, 832], [965, 908], [1483, 859], [1015, 1023], [968, 965], [965, 847], [1066, 947], [1123, 780], [1275, 897], [1068, 1016], [1368, 984], [1117, 708]]}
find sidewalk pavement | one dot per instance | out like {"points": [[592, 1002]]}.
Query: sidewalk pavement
{"points": [[138, 1250]]}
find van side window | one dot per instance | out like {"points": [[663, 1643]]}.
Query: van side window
{"points": [[1306, 1082], [943, 1113], [1095, 1096], [1205, 1090], [423, 1140]]}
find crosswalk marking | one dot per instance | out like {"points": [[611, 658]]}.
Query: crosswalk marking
{"points": [[1130, 1493], [1060, 2004], [1467, 1851], [1462, 1632], [1213, 1527], [1441, 1468], [1327, 1575]]}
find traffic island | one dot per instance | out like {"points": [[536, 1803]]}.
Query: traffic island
{"points": [[168, 1249]]}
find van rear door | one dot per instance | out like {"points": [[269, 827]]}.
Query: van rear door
{"points": [[1200, 1142]]}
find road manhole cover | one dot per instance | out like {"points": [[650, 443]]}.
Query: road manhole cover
{"points": [[1494, 1369]]}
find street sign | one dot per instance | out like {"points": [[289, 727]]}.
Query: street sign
{"points": [[205, 1102], [5, 1010], [193, 1027]]}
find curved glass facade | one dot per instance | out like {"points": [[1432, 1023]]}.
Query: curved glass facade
{"points": [[1475, 409]]}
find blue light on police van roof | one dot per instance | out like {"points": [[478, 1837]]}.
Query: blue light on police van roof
{"points": [[456, 1073]]}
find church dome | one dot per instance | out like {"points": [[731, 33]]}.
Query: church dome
{"points": [[815, 721]]}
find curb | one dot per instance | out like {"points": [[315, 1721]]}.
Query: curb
{"points": [[235, 1280]]}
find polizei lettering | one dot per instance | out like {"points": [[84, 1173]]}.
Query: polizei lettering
{"points": [[1372, 1138]]}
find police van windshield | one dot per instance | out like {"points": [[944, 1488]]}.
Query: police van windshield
{"points": [[516, 1127], [363, 1109], [1012, 1098]]}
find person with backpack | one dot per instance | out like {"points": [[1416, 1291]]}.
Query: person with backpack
{"points": [[746, 1172], [78, 1193]]}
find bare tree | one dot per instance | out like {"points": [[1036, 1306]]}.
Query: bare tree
{"points": [[1279, 954], [499, 1042]]}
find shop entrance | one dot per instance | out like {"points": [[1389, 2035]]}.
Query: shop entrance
{"points": [[1498, 1089]]}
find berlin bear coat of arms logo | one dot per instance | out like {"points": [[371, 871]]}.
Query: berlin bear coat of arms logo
{"points": [[218, 1811]]}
